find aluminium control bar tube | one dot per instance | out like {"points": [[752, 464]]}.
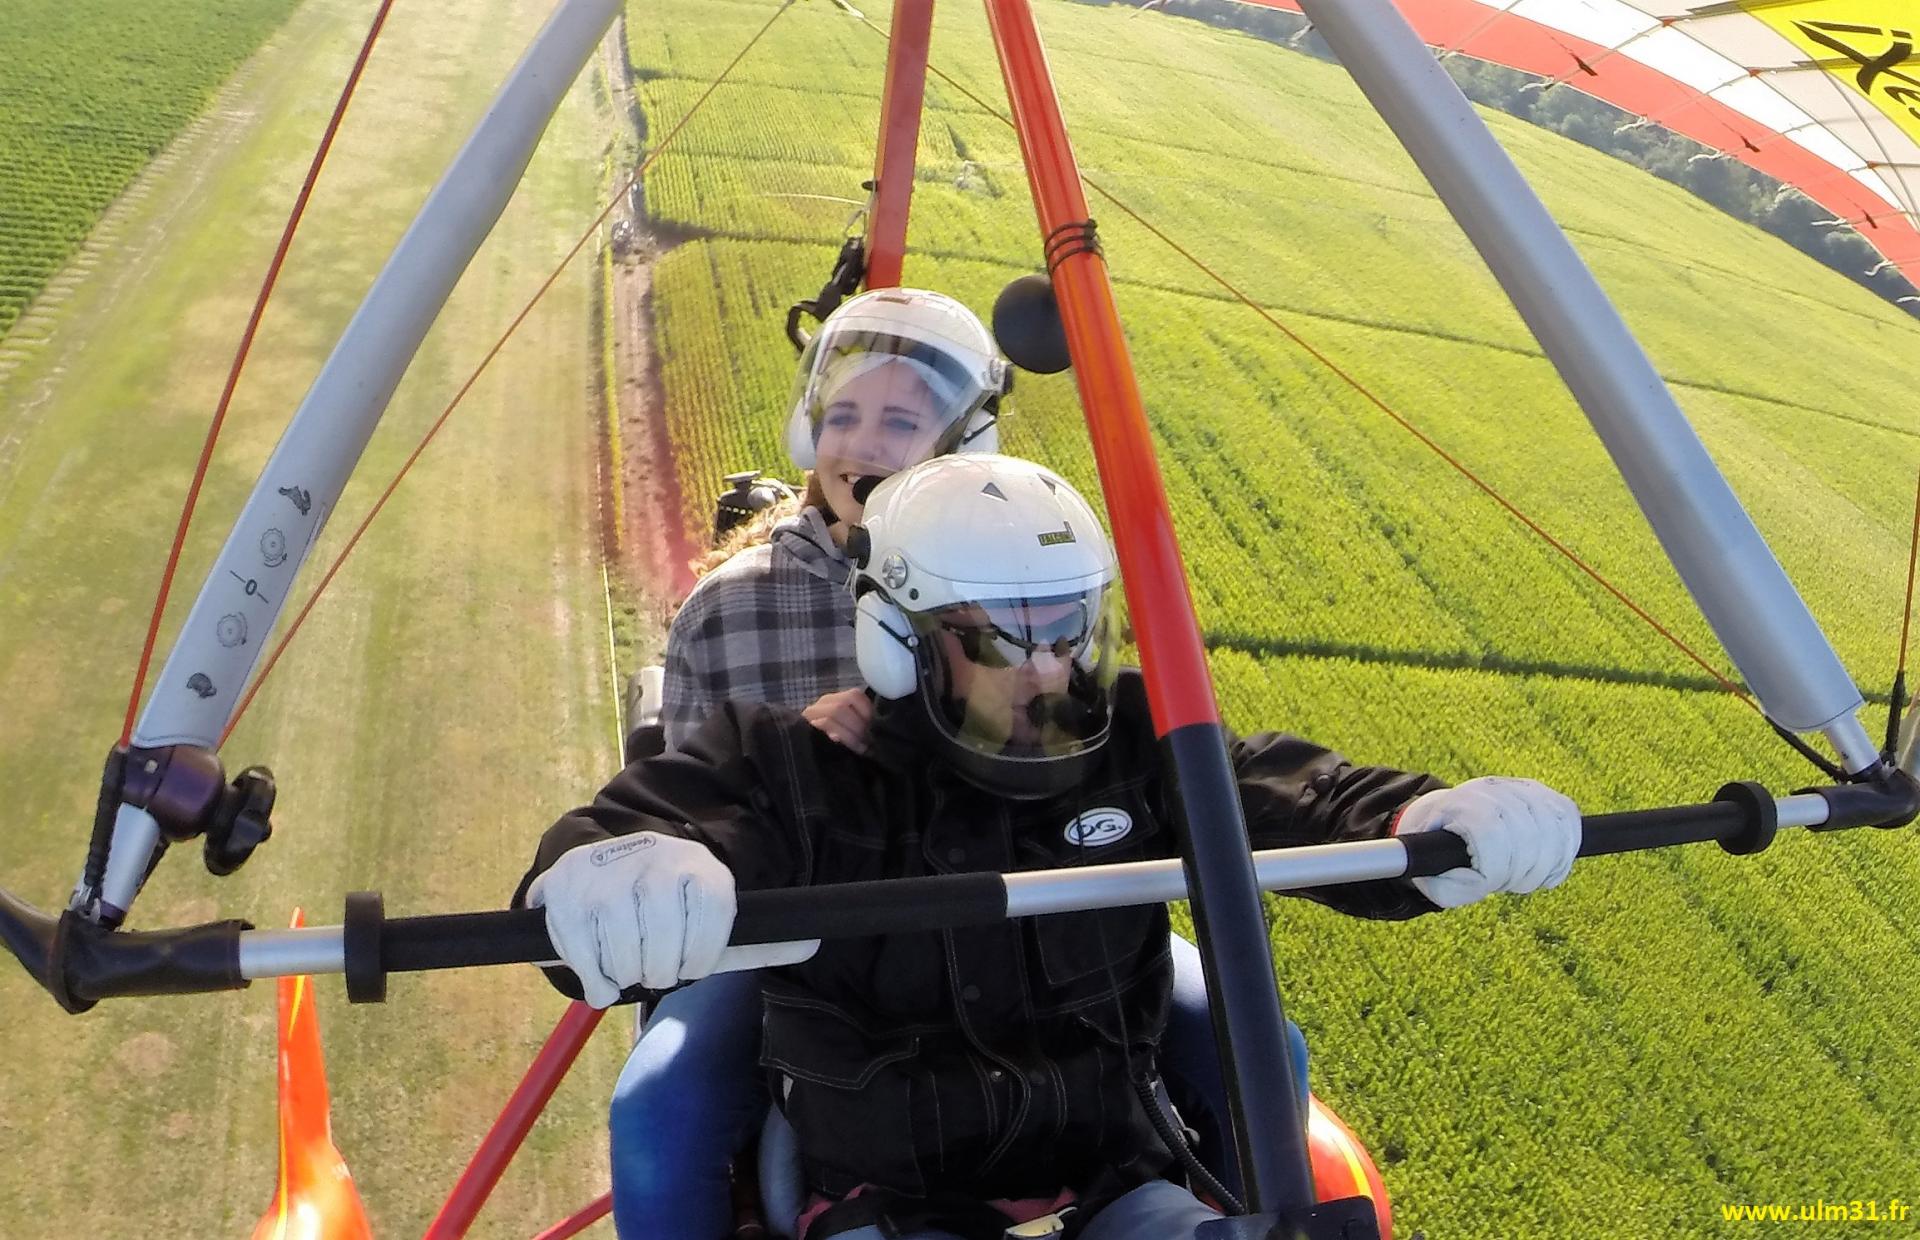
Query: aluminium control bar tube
{"points": [[1726, 565], [225, 633], [81, 963]]}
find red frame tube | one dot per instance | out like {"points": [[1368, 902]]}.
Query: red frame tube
{"points": [[601, 1206], [1179, 686], [1249, 1021], [893, 162], [529, 1098]]}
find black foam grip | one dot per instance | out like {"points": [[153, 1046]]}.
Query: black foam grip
{"points": [[1434, 852], [1602, 834], [839, 910], [457, 940], [1730, 818], [851, 910]]}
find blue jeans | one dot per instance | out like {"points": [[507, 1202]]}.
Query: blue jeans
{"points": [[691, 1097]]}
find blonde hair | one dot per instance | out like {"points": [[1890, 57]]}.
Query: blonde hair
{"points": [[812, 496], [752, 532]]}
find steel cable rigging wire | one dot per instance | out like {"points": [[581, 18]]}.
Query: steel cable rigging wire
{"points": [[354, 540], [240, 360], [1232, 290]]}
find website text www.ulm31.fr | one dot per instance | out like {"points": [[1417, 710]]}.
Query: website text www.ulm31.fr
{"points": [[1870, 1210]]}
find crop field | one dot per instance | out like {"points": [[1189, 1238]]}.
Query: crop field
{"points": [[88, 94], [446, 700], [1665, 1034]]}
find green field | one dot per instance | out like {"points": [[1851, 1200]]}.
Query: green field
{"points": [[88, 94], [444, 703], [1666, 1033]]}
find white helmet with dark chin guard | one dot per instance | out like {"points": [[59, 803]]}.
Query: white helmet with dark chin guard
{"points": [[985, 588], [929, 343]]}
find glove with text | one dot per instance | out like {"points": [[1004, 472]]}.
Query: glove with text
{"points": [[1521, 834], [646, 910]]}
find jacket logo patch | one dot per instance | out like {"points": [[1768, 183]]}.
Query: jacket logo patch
{"points": [[1098, 827]]}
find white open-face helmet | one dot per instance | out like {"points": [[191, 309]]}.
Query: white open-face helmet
{"points": [[985, 588], [939, 375]]}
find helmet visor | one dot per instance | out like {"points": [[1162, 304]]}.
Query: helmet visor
{"points": [[877, 403], [1020, 680]]}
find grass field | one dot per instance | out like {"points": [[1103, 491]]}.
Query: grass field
{"points": [[1667, 1033], [431, 719]]}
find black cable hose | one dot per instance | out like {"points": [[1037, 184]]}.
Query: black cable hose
{"points": [[1894, 700], [1177, 1142], [1143, 1086], [112, 780]]}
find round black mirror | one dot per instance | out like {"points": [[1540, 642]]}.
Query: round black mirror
{"points": [[1026, 324]]}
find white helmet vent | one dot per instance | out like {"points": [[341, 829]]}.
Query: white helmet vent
{"points": [[994, 491]]}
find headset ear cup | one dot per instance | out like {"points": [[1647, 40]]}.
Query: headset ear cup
{"points": [[883, 646], [800, 438]]}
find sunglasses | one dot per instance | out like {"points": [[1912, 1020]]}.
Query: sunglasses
{"points": [[993, 646]]}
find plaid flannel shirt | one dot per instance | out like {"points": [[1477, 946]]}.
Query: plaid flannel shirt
{"points": [[772, 624]]}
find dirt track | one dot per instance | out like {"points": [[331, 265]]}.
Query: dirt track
{"points": [[655, 547]]}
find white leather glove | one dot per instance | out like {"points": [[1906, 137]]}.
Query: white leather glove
{"points": [[647, 909], [1521, 834]]}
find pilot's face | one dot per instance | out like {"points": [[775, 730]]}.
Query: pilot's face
{"points": [[998, 681]]}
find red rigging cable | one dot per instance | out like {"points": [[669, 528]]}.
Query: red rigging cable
{"points": [[1442, 453], [274, 658], [1381, 405], [240, 361], [354, 541]]}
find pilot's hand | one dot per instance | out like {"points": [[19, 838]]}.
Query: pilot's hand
{"points": [[843, 716], [649, 910], [1521, 834]]}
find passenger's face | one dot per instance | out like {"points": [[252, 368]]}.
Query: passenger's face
{"points": [[877, 423], [998, 698]]}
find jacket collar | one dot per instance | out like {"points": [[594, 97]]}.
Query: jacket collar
{"points": [[804, 537]]}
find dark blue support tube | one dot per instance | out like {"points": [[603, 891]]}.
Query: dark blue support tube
{"points": [[1248, 1021]]}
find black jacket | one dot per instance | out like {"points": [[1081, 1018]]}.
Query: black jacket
{"points": [[996, 1060]]}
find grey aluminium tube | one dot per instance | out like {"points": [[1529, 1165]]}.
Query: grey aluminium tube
{"points": [[1733, 576], [224, 635], [1078, 888], [322, 949]]}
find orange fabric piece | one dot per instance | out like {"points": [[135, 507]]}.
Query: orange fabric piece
{"points": [[1341, 1165], [315, 1199]]}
